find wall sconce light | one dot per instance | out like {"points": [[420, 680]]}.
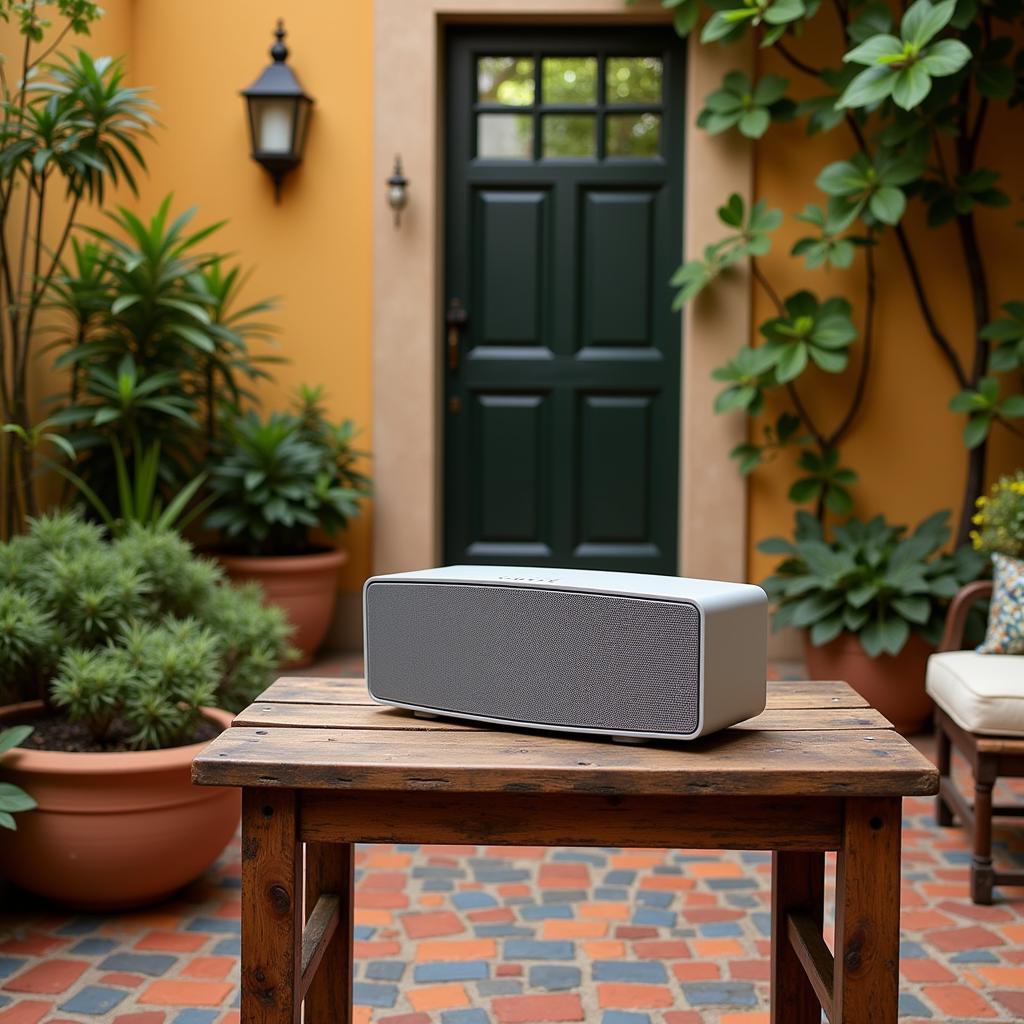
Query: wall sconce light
{"points": [[398, 190], [279, 111]]}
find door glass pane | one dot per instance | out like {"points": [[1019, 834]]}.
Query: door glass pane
{"points": [[569, 79], [569, 135], [507, 80], [635, 135], [634, 80], [506, 136]]}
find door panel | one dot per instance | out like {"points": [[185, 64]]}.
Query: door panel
{"points": [[563, 224]]}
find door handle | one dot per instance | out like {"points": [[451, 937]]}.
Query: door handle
{"points": [[455, 320]]}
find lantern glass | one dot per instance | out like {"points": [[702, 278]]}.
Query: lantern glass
{"points": [[274, 124]]}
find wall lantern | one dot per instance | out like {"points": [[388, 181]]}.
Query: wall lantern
{"points": [[278, 114], [398, 190]]}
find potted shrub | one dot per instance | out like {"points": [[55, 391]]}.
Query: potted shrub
{"points": [[123, 656], [279, 483], [872, 602]]}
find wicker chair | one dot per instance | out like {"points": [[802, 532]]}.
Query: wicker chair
{"points": [[979, 702]]}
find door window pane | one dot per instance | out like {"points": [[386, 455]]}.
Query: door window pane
{"points": [[507, 80], [569, 135], [504, 136], [634, 80], [569, 79], [633, 135]]}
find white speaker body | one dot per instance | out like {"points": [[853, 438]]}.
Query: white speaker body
{"points": [[618, 654]]}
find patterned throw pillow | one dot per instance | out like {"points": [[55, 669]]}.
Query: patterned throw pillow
{"points": [[1005, 634]]}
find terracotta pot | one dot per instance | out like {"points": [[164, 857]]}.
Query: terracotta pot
{"points": [[304, 586], [893, 685], [112, 830]]}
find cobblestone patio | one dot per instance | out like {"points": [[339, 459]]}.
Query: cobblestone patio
{"points": [[472, 935]]}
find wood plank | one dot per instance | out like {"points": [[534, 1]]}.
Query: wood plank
{"points": [[805, 938], [868, 913], [781, 693], [711, 823], [316, 936], [271, 923], [798, 885], [328, 990], [737, 762], [358, 716]]}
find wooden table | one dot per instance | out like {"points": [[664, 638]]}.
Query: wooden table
{"points": [[320, 764]]}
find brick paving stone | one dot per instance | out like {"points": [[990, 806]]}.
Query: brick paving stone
{"points": [[49, 977]]}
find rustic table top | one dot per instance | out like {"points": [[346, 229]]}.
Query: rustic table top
{"points": [[813, 739]]}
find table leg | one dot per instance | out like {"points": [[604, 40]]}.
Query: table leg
{"points": [[868, 913], [329, 872], [271, 907], [798, 886]]}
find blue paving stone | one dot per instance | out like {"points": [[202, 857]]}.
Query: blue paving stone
{"points": [[554, 979], [501, 931], [228, 947], [151, 964], [741, 899], [474, 1016], [612, 895], [683, 933], [385, 970], [720, 929], [437, 872], [649, 915], [438, 885], [236, 1003], [666, 869], [623, 1017], [499, 987], [544, 912], [4, 1000], [501, 874], [911, 1006], [527, 949], [374, 995], [957, 857], [763, 923], [911, 950], [720, 993], [407, 847], [580, 857], [10, 964], [644, 972], [755, 857], [652, 898], [473, 900], [620, 877], [80, 926], [231, 883], [214, 925], [464, 970], [974, 956], [719, 884], [93, 947], [362, 932], [197, 1017], [94, 1000], [689, 858], [565, 896]]}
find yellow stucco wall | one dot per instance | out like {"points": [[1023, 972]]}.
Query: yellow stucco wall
{"points": [[314, 248]]}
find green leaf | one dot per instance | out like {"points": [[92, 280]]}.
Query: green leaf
{"points": [[1012, 407], [754, 123], [946, 57], [14, 799], [826, 630], [804, 491], [977, 429], [769, 89], [912, 84], [784, 11], [13, 737], [924, 20], [871, 86], [869, 52], [916, 609], [717, 27], [887, 204], [792, 362]]}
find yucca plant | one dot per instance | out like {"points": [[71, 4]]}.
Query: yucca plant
{"points": [[68, 128]]}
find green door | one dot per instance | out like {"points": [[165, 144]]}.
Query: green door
{"points": [[563, 225]]}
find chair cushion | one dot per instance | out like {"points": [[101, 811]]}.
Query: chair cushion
{"points": [[982, 693], [1005, 633]]}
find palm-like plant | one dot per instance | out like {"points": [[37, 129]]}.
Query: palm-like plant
{"points": [[66, 128]]}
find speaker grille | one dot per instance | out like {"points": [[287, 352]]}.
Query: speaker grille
{"points": [[551, 657]]}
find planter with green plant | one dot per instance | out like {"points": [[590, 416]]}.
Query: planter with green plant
{"points": [[124, 657], [872, 601], [281, 486]]}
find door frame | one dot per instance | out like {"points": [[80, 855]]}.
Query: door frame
{"points": [[408, 278]]}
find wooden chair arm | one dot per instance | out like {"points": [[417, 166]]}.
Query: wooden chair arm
{"points": [[956, 620]]}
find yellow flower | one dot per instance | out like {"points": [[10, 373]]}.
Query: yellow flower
{"points": [[981, 501]]}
